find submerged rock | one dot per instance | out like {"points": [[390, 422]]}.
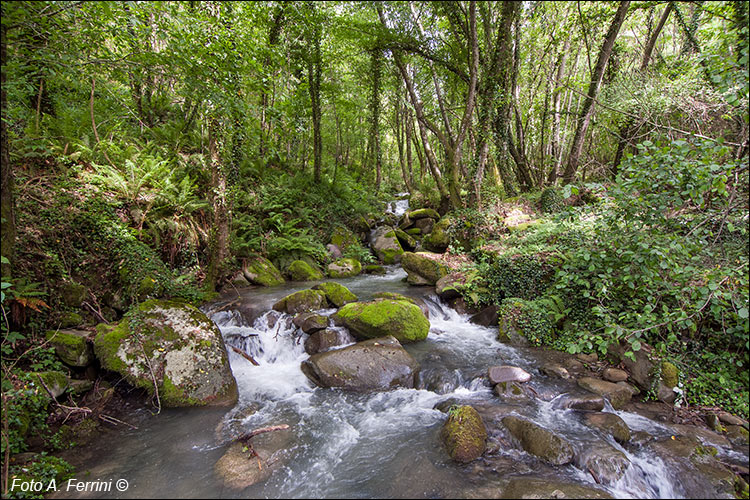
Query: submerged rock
{"points": [[609, 423], [528, 487], [539, 441], [464, 434], [606, 464], [487, 316], [324, 340], [578, 401], [399, 318], [238, 468], [511, 391], [310, 322], [618, 395], [376, 364], [261, 271], [174, 345]]}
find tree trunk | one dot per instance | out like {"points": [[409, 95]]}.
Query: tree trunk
{"points": [[594, 86], [7, 187], [219, 244]]}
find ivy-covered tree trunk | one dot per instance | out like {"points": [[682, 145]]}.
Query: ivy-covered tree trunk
{"points": [[376, 63], [219, 238]]}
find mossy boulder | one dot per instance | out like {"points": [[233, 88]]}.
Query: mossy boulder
{"points": [[302, 301], [464, 434], [670, 375], [381, 317], [72, 346], [608, 423], [413, 231], [69, 319], [261, 271], [375, 364], [299, 270], [344, 268], [385, 244], [423, 213], [56, 382], [539, 441], [423, 268], [336, 294], [72, 294], [618, 395], [343, 238], [147, 286], [405, 240], [438, 240], [397, 296], [173, 344], [374, 269]]}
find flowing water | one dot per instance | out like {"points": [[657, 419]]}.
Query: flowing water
{"points": [[380, 444]]}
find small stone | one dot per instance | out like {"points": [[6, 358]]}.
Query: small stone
{"points": [[555, 370], [498, 374], [616, 394], [730, 419], [615, 375], [574, 366], [713, 422], [633, 389], [587, 358]]}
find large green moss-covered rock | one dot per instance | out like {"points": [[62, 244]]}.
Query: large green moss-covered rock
{"points": [[302, 301], [539, 441], [422, 213], [173, 344], [261, 271], [397, 296], [670, 375], [423, 268], [375, 364], [299, 270], [464, 434], [374, 269], [344, 268], [71, 346], [438, 239], [338, 295], [399, 318], [386, 246]]}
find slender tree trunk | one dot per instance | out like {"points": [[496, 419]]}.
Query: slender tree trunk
{"points": [[626, 131], [555, 145], [593, 92], [7, 183], [219, 244]]}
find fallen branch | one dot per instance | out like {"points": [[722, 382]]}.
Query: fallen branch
{"points": [[244, 355], [112, 420], [246, 437]]}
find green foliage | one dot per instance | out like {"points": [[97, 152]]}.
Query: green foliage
{"points": [[550, 200], [44, 468], [529, 318]]}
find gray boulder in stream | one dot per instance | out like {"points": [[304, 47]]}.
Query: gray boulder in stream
{"points": [[606, 464], [618, 395], [238, 469], [375, 364], [423, 268], [173, 345], [539, 441]]}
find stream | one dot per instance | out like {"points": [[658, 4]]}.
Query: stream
{"points": [[378, 444]]}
